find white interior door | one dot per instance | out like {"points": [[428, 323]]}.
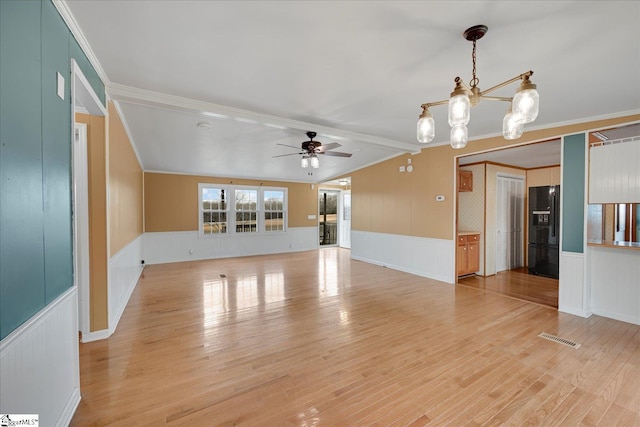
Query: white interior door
{"points": [[509, 223]]}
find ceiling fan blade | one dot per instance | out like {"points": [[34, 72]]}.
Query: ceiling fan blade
{"points": [[325, 147], [336, 154], [290, 146], [290, 154]]}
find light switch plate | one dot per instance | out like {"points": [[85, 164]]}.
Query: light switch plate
{"points": [[311, 217], [60, 86]]}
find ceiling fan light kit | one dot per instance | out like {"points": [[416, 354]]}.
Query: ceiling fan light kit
{"points": [[311, 149], [524, 104]]}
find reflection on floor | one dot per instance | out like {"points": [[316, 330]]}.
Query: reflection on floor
{"points": [[316, 338], [518, 283]]}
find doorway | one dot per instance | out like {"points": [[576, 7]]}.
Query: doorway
{"points": [[328, 217], [509, 223], [84, 99]]}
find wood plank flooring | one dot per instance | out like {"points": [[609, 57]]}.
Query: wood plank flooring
{"points": [[517, 283], [315, 338]]}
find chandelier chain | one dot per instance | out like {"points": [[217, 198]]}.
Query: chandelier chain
{"points": [[474, 82]]}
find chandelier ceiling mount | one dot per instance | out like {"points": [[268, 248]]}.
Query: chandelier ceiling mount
{"points": [[523, 108]]}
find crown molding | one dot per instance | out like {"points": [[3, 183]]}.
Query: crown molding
{"points": [[206, 109], [67, 16]]}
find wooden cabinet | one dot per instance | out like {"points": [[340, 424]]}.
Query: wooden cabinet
{"points": [[465, 180], [468, 258]]}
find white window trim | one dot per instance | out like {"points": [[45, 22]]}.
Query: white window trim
{"points": [[231, 211], [200, 210], [285, 209]]}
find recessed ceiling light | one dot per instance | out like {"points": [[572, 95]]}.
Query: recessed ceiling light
{"points": [[204, 125]]}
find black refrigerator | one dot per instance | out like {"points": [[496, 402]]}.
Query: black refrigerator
{"points": [[544, 231]]}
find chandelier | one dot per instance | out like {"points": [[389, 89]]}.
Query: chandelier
{"points": [[523, 108]]}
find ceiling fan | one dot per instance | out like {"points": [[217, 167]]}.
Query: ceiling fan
{"points": [[310, 150]]}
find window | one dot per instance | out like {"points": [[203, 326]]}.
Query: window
{"points": [[213, 215], [253, 210], [274, 210], [246, 211]]}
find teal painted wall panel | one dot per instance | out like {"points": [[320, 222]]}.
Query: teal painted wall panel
{"points": [[56, 151], [87, 69], [102, 95], [573, 193], [36, 235], [22, 288]]}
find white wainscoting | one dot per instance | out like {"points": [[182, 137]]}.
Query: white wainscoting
{"points": [[178, 246], [615, 283], [574, 294], [39, 364], [125, 269], [427, 257]]}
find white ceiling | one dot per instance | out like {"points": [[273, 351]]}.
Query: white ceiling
{"points": [[545, 153], [265, 72]]}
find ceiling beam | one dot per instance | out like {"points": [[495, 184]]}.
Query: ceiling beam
{"points": [[206, 109]]}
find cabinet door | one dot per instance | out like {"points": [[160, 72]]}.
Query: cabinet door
{"points": [[462, 259], [465, 180], [473, 257]]}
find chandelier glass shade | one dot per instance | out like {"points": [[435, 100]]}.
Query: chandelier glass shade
{"points": [[524, 104], [304, 162]]}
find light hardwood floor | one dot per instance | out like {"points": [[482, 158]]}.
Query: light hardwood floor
{"points": [[315, 338], [517, 283]]}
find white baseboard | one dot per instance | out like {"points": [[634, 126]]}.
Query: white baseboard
{"points": [[422, 256], [617, 316], [102, 334], [573, 311], [70, 409]]}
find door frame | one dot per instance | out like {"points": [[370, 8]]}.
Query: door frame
{"points": [[83, 98], [338, 220], [81, 254]]}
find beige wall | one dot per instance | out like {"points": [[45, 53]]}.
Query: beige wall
{"points": [[125, 187], [125, 204], [471, 211], [171, 200], [543, 176], [385, 200], [98, 259]]}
